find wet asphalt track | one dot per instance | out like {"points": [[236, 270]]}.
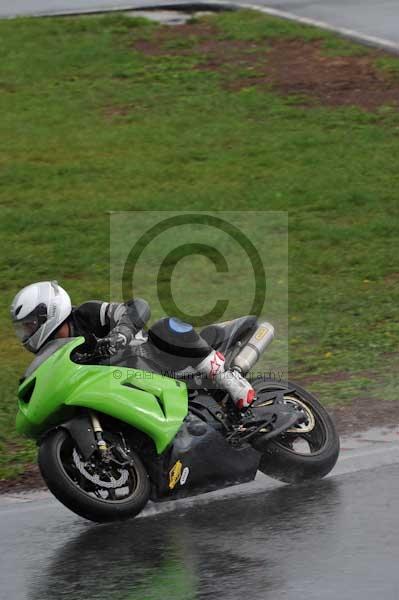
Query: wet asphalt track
{"points": [[337, 538], [378, 19]]}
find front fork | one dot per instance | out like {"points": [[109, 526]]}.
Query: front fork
{"points": [[102, 445], [98, 432]]}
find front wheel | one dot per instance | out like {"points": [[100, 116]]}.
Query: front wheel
{"points": [[99, 490], [306, 451]]}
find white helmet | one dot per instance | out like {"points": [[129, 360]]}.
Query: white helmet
{"points": [[36, 312]]}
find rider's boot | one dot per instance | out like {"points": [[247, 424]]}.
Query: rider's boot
{"points": [[240, 390]]}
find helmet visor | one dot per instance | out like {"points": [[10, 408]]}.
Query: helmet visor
{"points": [[25, 328]]}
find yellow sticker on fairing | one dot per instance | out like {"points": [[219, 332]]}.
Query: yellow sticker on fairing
{"points": [[175, 474]]}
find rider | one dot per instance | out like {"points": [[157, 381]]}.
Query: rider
{"points": [[43, 311]]}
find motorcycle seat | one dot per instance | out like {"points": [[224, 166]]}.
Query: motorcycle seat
{"points": [[221, 336]]}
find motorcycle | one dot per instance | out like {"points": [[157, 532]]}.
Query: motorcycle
{"points": [[115, 434]]}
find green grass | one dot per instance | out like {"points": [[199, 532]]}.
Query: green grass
{"points": [[389, 64], [89, 125]]}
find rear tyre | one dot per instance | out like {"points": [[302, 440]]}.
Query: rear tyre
{"points": [[94, 490], [299, 455]]}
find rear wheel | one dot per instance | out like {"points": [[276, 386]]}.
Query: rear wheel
{"points": [[100, 489], [306, 451]]}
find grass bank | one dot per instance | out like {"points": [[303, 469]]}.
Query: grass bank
{"points": [[236, 111]]}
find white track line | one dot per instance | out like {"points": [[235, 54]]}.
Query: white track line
{"points": [[129, 6], [343, 31]]}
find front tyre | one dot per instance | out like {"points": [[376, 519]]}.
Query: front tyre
{"points": [[97, 490], [305, 452]]}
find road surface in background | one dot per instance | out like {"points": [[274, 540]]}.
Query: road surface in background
{"points": [[377, 19]]}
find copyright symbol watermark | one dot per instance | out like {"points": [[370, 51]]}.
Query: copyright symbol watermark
{"points": [[216, 233], [205, 268], [117, 374], [200, 267]]}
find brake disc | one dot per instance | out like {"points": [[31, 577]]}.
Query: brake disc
{"points": [[302, 427], [113, 483]]}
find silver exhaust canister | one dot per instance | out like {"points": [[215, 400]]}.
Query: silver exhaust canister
{"points": [[249, 355]]}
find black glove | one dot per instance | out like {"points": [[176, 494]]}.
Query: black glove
{"points": [[111, 345]]}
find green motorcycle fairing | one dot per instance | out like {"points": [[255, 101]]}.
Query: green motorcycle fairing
{"points": [[152, 403]]}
